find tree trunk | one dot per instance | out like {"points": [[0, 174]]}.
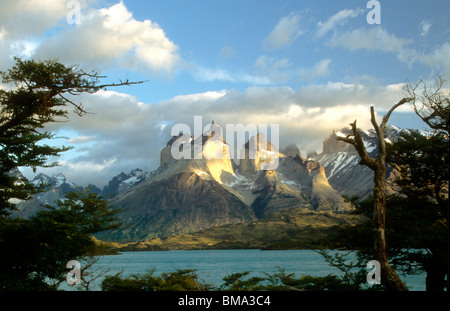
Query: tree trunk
{"points": [[436, 271], [389, 277]]}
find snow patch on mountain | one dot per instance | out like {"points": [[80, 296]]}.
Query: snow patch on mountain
{"points": [[124, 182], [341, 161], [56, 180]]}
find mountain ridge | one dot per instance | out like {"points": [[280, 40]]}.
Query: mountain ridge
{"points": [[161, 205], [188, 195]]}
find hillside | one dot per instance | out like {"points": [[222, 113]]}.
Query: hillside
{"points": [[287, 229]]}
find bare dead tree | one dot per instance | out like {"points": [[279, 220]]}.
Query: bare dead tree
{"points": [[91, 272], [388, 275], [432, 103]]}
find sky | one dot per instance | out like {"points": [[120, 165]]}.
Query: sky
{"points": [[309, 66]]}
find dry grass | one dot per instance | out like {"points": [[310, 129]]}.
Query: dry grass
{"points": [[288, 229]]}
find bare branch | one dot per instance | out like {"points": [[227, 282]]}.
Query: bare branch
{"points": [[348, 139], [373, 120], [359, 146], [431, 103], [78, 108], [388, 115], [118, 84]]}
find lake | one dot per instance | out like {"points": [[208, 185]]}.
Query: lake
{"points": [[213, 265]]}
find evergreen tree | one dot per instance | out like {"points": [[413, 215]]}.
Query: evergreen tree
{"points": [[36, 250], [38, 93], [423, 164]]}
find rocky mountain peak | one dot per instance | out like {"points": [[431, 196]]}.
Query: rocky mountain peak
{"points": [[290, 150], [56, 180], [332, 145], [53, 188], [341, 161], [123, 182]]}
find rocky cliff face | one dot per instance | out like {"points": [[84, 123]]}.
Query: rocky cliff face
{"points": [[209, 189], [341, 162], [182, 202], [296, 182], [123, 182]]}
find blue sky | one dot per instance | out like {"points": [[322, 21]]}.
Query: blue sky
{"points": [[227, 42], [310, 66]]}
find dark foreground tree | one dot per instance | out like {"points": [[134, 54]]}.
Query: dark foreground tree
{"points": [[179, 280], [37, 93], [416, 232], [423, 164], [37, 249]]}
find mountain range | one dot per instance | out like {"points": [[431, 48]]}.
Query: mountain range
{"points": [[190, 195]]}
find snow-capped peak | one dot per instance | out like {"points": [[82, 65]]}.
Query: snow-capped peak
{"points": [[125, 181], [56, 180]]}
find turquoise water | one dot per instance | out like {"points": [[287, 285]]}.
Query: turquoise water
{"points": [[213, 265]]}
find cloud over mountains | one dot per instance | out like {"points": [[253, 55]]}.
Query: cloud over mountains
{"points": [[122, 132], [309, 69]]}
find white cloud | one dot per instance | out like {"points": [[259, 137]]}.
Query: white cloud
{"points": [[22, 18], [112, 35], [80, 139], [227, 52], [123, 133], [425, 28], [337, 19], [321, 69], [220, 74], [5, 61], [206, 74], [2, 32], [379, 39], [438, 58], [24, 49], [374, 38], [281, 70], [278, 70], [285, 33], [22, 24], [334, 94]]}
